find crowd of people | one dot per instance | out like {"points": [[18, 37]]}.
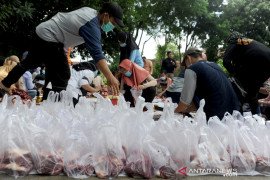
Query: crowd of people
{"points": [[246, 59]]}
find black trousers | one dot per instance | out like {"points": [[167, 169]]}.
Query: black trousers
{"points": [[148, 94], [128, 96], [174, 95], [53, 56]]}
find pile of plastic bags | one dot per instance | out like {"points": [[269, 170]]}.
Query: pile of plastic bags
{"points": [[105, 140]]}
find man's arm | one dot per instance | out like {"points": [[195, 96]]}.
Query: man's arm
{"points": [[160, 94], [188, 91], [87, 87], [111, 80], [91, 34], [133, 54]]}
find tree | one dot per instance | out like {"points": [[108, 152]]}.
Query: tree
{"points": [[250, 17], [156, 69]]}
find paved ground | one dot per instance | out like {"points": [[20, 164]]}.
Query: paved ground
{"points": [[36, 177]]}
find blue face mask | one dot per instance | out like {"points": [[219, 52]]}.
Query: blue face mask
{"points": [[123, 45], [96, 72], [107, 27], [162, 78], [128, 74]]}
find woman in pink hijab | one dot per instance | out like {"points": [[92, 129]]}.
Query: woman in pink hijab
{"points": [[137, 77]]}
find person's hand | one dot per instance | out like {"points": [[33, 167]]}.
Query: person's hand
{"points": [[140, 87], [163, 99], [113, 85], [117, 74], [172, 63], [159, 95], [98, 88]]}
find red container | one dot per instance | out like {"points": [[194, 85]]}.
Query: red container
{"points": [[114, 101]]}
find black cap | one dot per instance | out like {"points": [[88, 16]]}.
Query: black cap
{"points": [[115, 11], [190, 51]]}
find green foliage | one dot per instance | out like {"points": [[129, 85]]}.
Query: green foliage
{"points": [[104, 79], [220, 63], [205, 23], [157, 69], [14, 11], [250, 17], [161, 52], [163, 49]]}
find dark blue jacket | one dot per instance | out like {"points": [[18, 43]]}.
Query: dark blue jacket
{"points": [[215, 88]]}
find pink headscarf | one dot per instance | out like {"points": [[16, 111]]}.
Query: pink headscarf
{"points": [[138, 74]]}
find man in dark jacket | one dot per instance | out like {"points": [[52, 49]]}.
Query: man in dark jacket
{"points": [[208, 82], [249, 61], [168, 65]]}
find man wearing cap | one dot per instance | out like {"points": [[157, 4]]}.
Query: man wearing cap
{"points": [[168, 65], [207, 81], [68, 30]]}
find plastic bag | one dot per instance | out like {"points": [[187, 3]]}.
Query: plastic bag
{"points": [[213, 151], [260, 136], [45, 156], [135, 92], [108, 154], [241, 147], [78, 157], [138, 159], [15, 157]]}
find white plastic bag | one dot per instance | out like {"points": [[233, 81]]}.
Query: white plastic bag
{"points": [[78, 157], [108, 154], [135, 92], [15, 157], [45, 156]]}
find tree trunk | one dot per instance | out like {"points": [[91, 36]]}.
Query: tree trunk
{"points": [[179, 49], [136, 34], [140, 39], [137, 30], [145, 43]]}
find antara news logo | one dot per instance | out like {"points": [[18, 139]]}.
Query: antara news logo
{"points": [[224, 172]]}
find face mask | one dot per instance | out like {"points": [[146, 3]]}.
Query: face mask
{"points": [[96, 72], [43, 71], [107, 27], [123, 45], [163, 78], [128, 74]]}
